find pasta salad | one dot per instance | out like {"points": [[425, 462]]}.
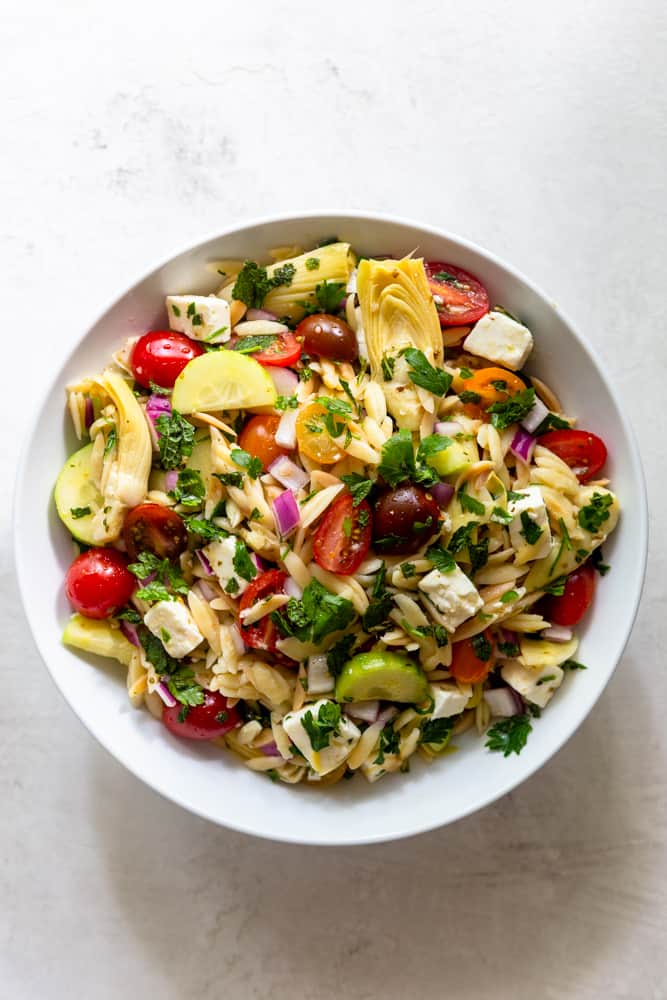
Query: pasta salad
{"points": [[325, 518]]}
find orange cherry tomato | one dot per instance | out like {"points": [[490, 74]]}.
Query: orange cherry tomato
{"points": [[313, 438], [258, 438], [492, 385], [473, 659]]}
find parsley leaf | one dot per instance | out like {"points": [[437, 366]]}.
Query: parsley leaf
{"points": [[510, 649], [509, 735], [321, 729], [460, 540], [380, 605], [512, 410], [442, 559], [479, 554], [334, 408], [252, 285], [358, 486], [388, 744], [508, 596], [176, 439], [529, 529], [156, 653], [556, 587], [154, 591], [468, 396], [593, 514], [551, 422], [312, 263], [110, 442], [253, 466], [501, 515], [283, 275], [482, 647], [77, 512], [423, 373], [398, 458], [205, 529], [470, 504], [230, 478], [243, 564], [597, 561], [339, 654], [388, 363], [329, 295], [184, 687], [283, 403], [437, 732], [254, 342], [189, 490], [572, 665], [165, 575], [315, 615]]}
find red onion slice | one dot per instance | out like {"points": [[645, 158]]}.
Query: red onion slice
{"points": [[89, 413], [442, 493], [171, 479], [523, 445], [205, 564], [535, 416], [163, 691], [503, 701], [253, 314], [286, 512], [365, 711], [129, 630], [288, 474], [286, 431], [557, 633], [285, 380], [270, 749]]}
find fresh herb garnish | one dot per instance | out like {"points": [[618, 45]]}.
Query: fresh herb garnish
{"points": [[482, 647], [597, 561], [328, 297], [176, 439], [321, 729], [156, 653], [398, 461], [388, 744], [254, 342], [508, 649], [442, 559], [242, 563], [381, 603], [189, 490], [252, 465], [501, 515], [460, 540], [312, 263], [283, 403], [572, 665], [408, 570], [512, 410], [230, 478], [158, 390], [78, 512], [530, 530], [565, 543], [358, 486], [205, 529], [423, 373], [110, 442], [469, 503], [592, 516], [315, 615], [512, 495], [253, 283], [166, 575], [551, 422], [437, 732], [468, 396], [339, 654], [509, 735], [479, 554], [184, 687], [556, 587], [334, 408], [388, 363]]}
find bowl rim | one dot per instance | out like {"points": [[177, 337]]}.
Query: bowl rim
{"points": [[640, 526]]}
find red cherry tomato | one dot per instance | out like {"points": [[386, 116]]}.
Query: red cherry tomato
{"points": [[468, 665], [207, 721], [153, 528], [584, 452], [461, 298], [262, 634], [284, 351], [161, 355], [344, 536], [575, 601], [258, 438], [98, 583]]}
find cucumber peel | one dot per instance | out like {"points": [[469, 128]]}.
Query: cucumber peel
{"points": [[382, 676]]}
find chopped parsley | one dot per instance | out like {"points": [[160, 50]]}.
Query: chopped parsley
{"points": [[508, 596], [312, 263], [167, 578], [592, 516], [339, 654], [315, 615], [509, 735], [461, 539], [230, 478], [334, 408], [205, 529], [381, 603], [78, 512], [283, 403], [328, 297], [479, 554], [512, 410], [529, 529], [442, 559], [111, 441], [572, 665], [408, 570], [565, 543], [129, 615], [482, 647], [388, 744], [243, 564], [189, 490], [158, 390], [176, 439], [388, 363], [468, 396], [501, 515], [470, 504], [253, 466], [255, 342], [423, 373], [358, 486], [184, 688], [597, 561], [437, 732], [512, 495], [305, 374], [253, 283], [321, 729], [465, 373], [157, 654], [510, 649], [551, 422], [398, 462]]}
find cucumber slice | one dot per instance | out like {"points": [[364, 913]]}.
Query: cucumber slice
{"points": [[74, 491], [200, 459], [381, 676], [453, 460], [223, 380], [97, 636]]}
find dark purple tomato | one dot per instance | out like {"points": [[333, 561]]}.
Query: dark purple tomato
{"points": [[404, 519], [328, 336]]}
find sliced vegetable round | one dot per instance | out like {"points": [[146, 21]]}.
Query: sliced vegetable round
{"points": [[285, 350], [405, 518], [98, 583], [208, 721], [258, 438], [572, 605], [584, 452], [460, 298], [77, 497], [150, 527], [382, 676], [328, 336], [160, 356], [344, 536], [473, 659], [262, 634], [313, 437]]}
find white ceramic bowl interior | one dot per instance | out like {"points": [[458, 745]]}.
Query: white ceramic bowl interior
{"points": [[214, 784]]}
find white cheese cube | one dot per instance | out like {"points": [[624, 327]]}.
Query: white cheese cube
{"points": [[173, 624], [221, 554], [201, 317], [500, 339], [450, 699], [453, 594], [320, 679], [531, 505], [536, 686], [341, 742]]}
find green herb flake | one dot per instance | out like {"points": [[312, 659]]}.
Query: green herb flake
{"points": [[321, 729], [572, 665], [597, 561], [176, 439], [315, 615], [509, 735], [509, 596], [512, 410], [437, 732], [388, 363], [482, 647], [243, 564], [358, 486], [529, 529], [112, 438], [78, 512], [594, 514], [470, 504], [442, 559], [283, 403], [312, 263], [189, 490], [253, 466], [423, 373]]}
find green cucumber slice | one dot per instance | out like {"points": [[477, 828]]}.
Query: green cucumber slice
{"points": [[382, 676], [74, 491]]}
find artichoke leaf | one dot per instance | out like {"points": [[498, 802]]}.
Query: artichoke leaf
{"points": [[397, 312]]}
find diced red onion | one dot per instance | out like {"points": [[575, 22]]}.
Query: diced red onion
{"points": [[292, 588], [270, 749], [365, 711], [286, 431], [171, 479], [442, 493], [508, 637], [288, 473], [523, 445], [253, 314], [286, 512], [285, 380], [167, 697], [156, 406], [129, 630], [205, 564], [450, 428], [259, 563], [557, 633], [89, 412], [205, 590], [387, 714], [535, 416], [503, 701]]}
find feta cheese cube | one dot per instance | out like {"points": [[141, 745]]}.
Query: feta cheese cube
{"points": [[201, 317], [500, 339], [173, 624], [221, 554], [341, 742], [320, 679], [529, 506], [536, 686], [449, 699], [453, 595]]}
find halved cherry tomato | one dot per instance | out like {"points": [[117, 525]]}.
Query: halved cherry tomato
{"points": [[461, 298], [161, 355], [150, 527], [262, 634], [313, 437], [572, 605], [207, 721], [258, 438], [467, 666], [584, 452], [284, 351], [492, 385], [343, 537], [328, 336], [98, 583]]}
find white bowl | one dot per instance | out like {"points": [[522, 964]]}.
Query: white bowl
{"points": [[214, 784]]}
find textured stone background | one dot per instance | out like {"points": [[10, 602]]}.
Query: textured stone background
{"points": [[537, 130]]}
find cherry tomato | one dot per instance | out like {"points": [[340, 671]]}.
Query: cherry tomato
{"points": [[405, 518], [461, 298], [575, 601], [313, 437], [343, 537], [584, 452], [284, 351], [262, 634], [328, 336], [98, 583], [482, 382], [161, 355], [468, 665], [153, 528], [258, 438], [207, 721]]}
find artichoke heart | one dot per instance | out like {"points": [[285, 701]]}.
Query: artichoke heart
{"points": [[397, 311], [127, 482]]}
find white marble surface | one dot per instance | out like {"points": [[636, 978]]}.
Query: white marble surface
{"points": [[536, 130]]}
